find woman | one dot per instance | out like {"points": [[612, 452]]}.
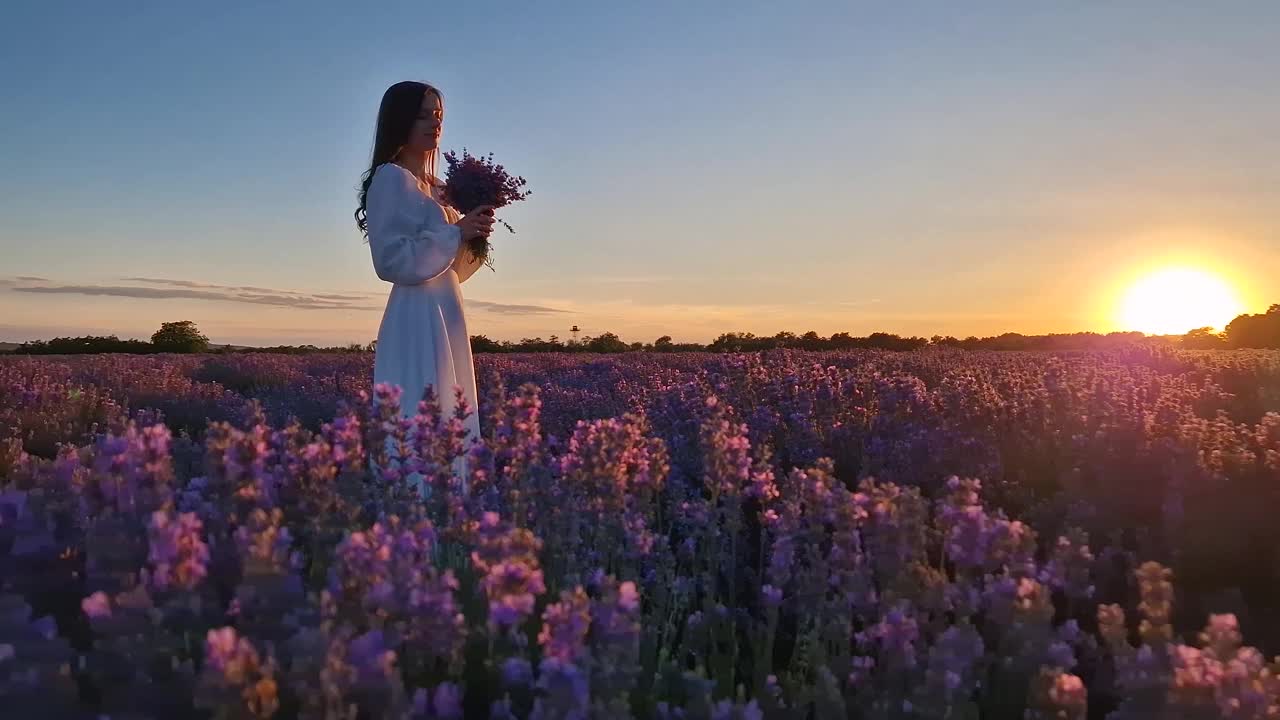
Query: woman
{"points": [[419, 245]]}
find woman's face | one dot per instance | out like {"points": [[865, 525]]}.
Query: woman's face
{"points": [[425, 134]]}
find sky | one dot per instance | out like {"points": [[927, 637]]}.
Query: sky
{"points": [[696, 167]]}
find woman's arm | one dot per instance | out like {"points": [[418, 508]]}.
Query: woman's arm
{"points": [[466, 264], [406, 249]]}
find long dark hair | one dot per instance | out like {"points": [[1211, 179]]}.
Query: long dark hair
{"points": [[396, 116]]}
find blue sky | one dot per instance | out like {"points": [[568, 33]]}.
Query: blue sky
{"points": [[961, 168]]}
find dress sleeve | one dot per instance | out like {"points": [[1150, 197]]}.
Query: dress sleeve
{"points": [[409, 246]]}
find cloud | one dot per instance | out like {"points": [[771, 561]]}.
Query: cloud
{"points": [[626, 279], [16, 279], [250, 295], [247, 288], [338, 296], [224, 295], [506, 309], [175, 283], [254, 295]]}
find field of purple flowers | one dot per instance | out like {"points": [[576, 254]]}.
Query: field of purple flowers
{"points": [[933, 534]]}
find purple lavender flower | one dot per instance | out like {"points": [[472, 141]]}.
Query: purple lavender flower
{"points": [[620, 490], [370, 657], [447, 701], [516, 672], [566, 691], [133, 471], [728, 710], [953, 660], [501, 710], [512, 589], [896, 636], [472, 181], [265, 545], [437, 622], [1062, 655], [178, 555], [628, 597], [1057, 695], [229, 654], [97, 606], [1068, 692], [512, 576], [565, 625], [1069, 568], [783, 550], [236, 680], [615, 641], [345, 436]]}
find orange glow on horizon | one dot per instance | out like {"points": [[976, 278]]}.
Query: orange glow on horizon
{"points": [[1175, 300]]}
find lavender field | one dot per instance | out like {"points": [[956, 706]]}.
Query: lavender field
{"points": [[932, 534]]}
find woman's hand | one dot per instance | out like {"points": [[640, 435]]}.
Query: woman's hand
{"points": [[477, 224]]}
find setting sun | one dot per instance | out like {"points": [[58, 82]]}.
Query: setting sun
{"points": [[1176, 300]]}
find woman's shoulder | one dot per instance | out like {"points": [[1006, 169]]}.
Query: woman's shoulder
{"points": [[393, 183], [392, 175]]}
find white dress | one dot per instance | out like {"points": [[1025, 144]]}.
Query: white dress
{"points": [[423, 337]]}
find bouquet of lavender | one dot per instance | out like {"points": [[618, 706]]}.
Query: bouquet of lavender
{"points": [[472, 181]]}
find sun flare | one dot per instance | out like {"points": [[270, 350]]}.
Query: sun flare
{"points": [[1176, 300]]}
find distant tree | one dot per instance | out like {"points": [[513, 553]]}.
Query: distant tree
{"points": [[726, 342], [1204, 339], [606, 343], [812, 341], [1255, 331], [739, 342], [482, 344], [889, 341], [842, 341], [89, 344], [180, 337], [537, 344], [1246, 331]]}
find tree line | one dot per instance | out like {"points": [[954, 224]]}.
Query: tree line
{"points": [[749, 342], [1246, 331], [173, 337]]}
